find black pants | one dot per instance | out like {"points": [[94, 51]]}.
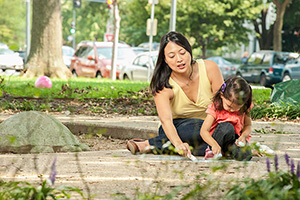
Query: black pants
{"points": [[188, 131], [225, 136]]}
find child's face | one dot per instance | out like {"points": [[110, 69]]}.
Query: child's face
{"points": [[229, 105]]}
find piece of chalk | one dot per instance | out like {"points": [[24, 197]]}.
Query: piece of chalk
{"points": [[193, 158], [217, 156], [241, 143]]}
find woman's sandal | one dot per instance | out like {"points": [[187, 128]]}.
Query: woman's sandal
{"points": [[132, 146]]}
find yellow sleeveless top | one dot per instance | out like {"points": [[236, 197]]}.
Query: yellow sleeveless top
{"points": [[182, 106]]}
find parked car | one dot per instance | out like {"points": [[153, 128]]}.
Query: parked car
{"points": [[264, 67], [292, 69], [67, 53], [227, 68], [138, 69], [93, 59], [3, 46], [138, 50], [10, 60], [21, 54], [155, 45]]}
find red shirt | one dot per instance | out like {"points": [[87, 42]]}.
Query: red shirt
{"points": [[235, 118]]}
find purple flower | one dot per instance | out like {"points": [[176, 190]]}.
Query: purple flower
{"points": [[298, 170], [292, 166], [268, 164], [276, 162], [287, 159], [53, 171]]}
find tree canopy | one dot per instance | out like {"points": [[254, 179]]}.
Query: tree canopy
{"points": [[209, 24], [12, 25]]}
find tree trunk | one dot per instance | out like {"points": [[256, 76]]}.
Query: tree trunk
{"points": [[203, 47], [280, 10], [45, 57], [265, 36]]}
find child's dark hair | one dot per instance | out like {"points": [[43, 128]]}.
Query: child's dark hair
{"points": [[235, 89]]}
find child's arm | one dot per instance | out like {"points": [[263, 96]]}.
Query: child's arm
{"points": [[246, 130], [204, 132]]}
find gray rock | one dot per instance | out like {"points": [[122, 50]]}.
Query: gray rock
{"points": [[37, 132]]}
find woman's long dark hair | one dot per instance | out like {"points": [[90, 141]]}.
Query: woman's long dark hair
{"points": [[236, 89], [162, 71]]}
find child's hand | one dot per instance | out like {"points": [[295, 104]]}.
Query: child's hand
{"points": [[216, 149], [241, 140]]}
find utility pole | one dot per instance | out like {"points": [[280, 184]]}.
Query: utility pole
{"points": [[117, 20], [173, 15], [27, 30], [151, 35], [151, 29], [73, 34]]}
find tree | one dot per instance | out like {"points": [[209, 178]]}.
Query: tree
{"points": [[134, 16], [291, 28], [45, 57], [91, 20], [264, 34], [281, 6], [12, 23], [212, 24]]}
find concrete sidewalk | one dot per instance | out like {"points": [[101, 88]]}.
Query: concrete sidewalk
{"points": [[107, 172]]}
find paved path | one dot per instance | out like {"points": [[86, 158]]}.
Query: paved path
{"points": [[104, 173]]}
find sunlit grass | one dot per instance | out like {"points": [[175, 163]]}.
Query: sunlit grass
{"points": [[72, 88]]}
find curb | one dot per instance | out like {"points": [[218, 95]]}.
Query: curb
{"points": [[145, 127]]}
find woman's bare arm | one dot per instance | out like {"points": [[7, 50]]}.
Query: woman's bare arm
{"points": [[162, 101], [214, 75]]}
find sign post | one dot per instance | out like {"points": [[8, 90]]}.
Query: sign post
{"points": [[153, 2]]}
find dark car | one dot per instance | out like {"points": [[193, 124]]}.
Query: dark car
{"points": [[292, 68], [93, 59], [264, 67], [227, 68]]}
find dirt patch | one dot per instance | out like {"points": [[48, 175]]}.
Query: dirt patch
{"points": [[97, 143]]}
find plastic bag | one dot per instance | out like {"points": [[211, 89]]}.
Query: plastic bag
{"points": [[286, 92]]}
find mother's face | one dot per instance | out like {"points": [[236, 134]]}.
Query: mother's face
{"points": [[177, 57]]}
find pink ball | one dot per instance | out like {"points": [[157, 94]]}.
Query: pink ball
{"points": [[43, 82]]}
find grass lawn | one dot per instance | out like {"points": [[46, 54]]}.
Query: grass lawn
{"points": [[114, 96]]}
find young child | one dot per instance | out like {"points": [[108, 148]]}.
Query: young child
{"points": [[227, 126]]}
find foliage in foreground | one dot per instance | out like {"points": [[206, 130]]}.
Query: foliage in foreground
{"points": [[278, 185], [22, 190]]}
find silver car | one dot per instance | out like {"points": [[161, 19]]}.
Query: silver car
{"points": [[141, 68], [67, 53], [10, 60], [227, 68]]}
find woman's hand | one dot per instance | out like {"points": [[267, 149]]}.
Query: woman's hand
{"points": [[183, 149], [216, 149]]}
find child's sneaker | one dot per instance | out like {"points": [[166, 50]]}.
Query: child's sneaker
{"points": [[208, 153]]}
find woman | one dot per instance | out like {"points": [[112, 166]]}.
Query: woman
{"points": [[182, 89]]}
